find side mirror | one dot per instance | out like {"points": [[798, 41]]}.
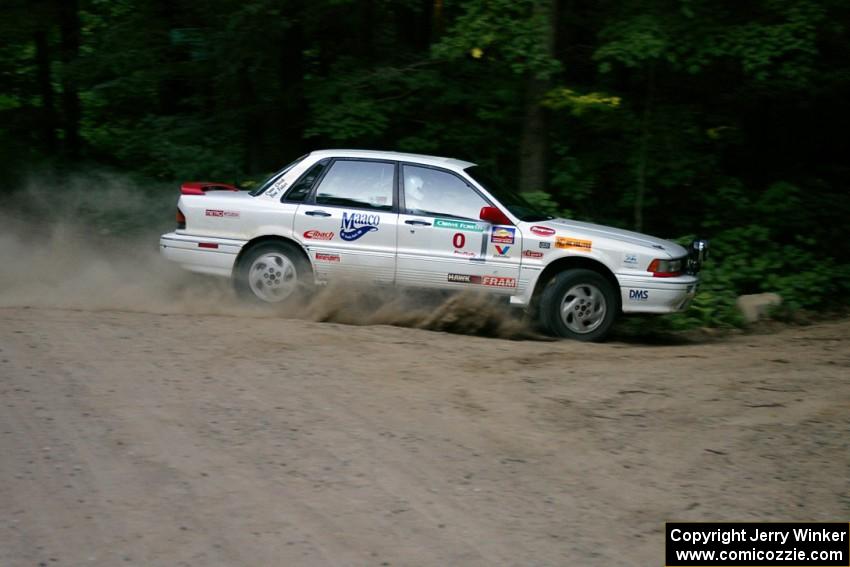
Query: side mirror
{"points": [[494, 216]]}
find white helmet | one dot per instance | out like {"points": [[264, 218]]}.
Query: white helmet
{"points": [[413, 188]]}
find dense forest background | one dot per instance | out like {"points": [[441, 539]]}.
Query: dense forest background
{"points": [[725, 120]]}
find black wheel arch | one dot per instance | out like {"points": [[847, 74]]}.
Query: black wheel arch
{"points": [[572, 263], [271, 239]]}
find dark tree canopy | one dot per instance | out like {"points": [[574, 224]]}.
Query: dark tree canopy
{"points": [[676, 117]]}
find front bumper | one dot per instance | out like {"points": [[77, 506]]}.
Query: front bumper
{"points": [[646, 294], [202, 254]]}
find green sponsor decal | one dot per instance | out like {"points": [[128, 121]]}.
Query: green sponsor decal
{"points": [[458, 225]]}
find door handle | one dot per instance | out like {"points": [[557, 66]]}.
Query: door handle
{"points": [[418, 222], [317, 214]]}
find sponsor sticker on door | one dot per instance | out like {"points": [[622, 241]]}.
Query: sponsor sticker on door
{"points": [[503, 235], [355, 225], [458, 225], [318, 235], [490, 281]]}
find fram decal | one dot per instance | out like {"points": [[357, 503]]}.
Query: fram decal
{"points": [[545, 245], [573, 243], [220, 213], [458, 225], [496, 281], [630, 259], [503, 235], [490, 281], [502, 250], [542, 230], [318, 235], [638, 294], [532, 254], [322, 257], [355, 225]]}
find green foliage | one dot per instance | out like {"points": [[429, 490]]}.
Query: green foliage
{"points": [[727, 116], [506, 32]]}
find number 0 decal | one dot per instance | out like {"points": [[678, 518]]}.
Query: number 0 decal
{"points": [[459, 240]]}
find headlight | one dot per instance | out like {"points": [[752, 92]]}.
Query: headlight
{"points": [[666, 268]]}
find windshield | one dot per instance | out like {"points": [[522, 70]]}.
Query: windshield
{"points": [[518, 206], [275, 176]]}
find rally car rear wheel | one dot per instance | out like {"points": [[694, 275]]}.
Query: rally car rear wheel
{"points": [[272, 273], [579, 304]]}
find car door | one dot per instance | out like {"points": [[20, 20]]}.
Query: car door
{"points": [[441, 241], [348, 223]]}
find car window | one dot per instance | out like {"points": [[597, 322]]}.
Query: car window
{"points": [[301, 188], [276, 177], [431, 192], [362, 184]]}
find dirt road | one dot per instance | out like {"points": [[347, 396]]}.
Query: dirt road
{"points": [[150, 439]]}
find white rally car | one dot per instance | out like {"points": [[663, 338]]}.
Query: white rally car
{"points": [[429, 222]]}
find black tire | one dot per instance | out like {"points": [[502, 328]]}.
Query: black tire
{"points": [[273, 262], [595, 305]]}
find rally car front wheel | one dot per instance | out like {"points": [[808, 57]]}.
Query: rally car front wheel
{"points": [[579, 304], [273, 273]]}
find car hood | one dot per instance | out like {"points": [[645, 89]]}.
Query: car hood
{"points": [[567, 227]]}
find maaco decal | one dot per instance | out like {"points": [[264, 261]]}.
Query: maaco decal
{"points": [[355, 225], [532, 254]]}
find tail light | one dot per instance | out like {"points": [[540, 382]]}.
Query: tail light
{"points": [[666, 268], [181, 219]]}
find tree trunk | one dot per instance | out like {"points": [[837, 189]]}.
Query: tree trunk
{"points": [[45, 89], [533, 140], [643, 150], [69, 25]]}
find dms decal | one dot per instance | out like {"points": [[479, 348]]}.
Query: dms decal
{"points": [[545, 245], [503, 235], [630, 259], [532, 254], [502, 250], [638, 295], [220, 213], [327, 257], [542, 230], [355, 225], [573, 243], [318, 235]]}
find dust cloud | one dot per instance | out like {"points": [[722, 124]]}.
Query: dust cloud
{"points": [[91, 243]]}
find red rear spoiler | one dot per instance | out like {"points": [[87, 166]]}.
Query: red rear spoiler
{"points": [[201, 187]]}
